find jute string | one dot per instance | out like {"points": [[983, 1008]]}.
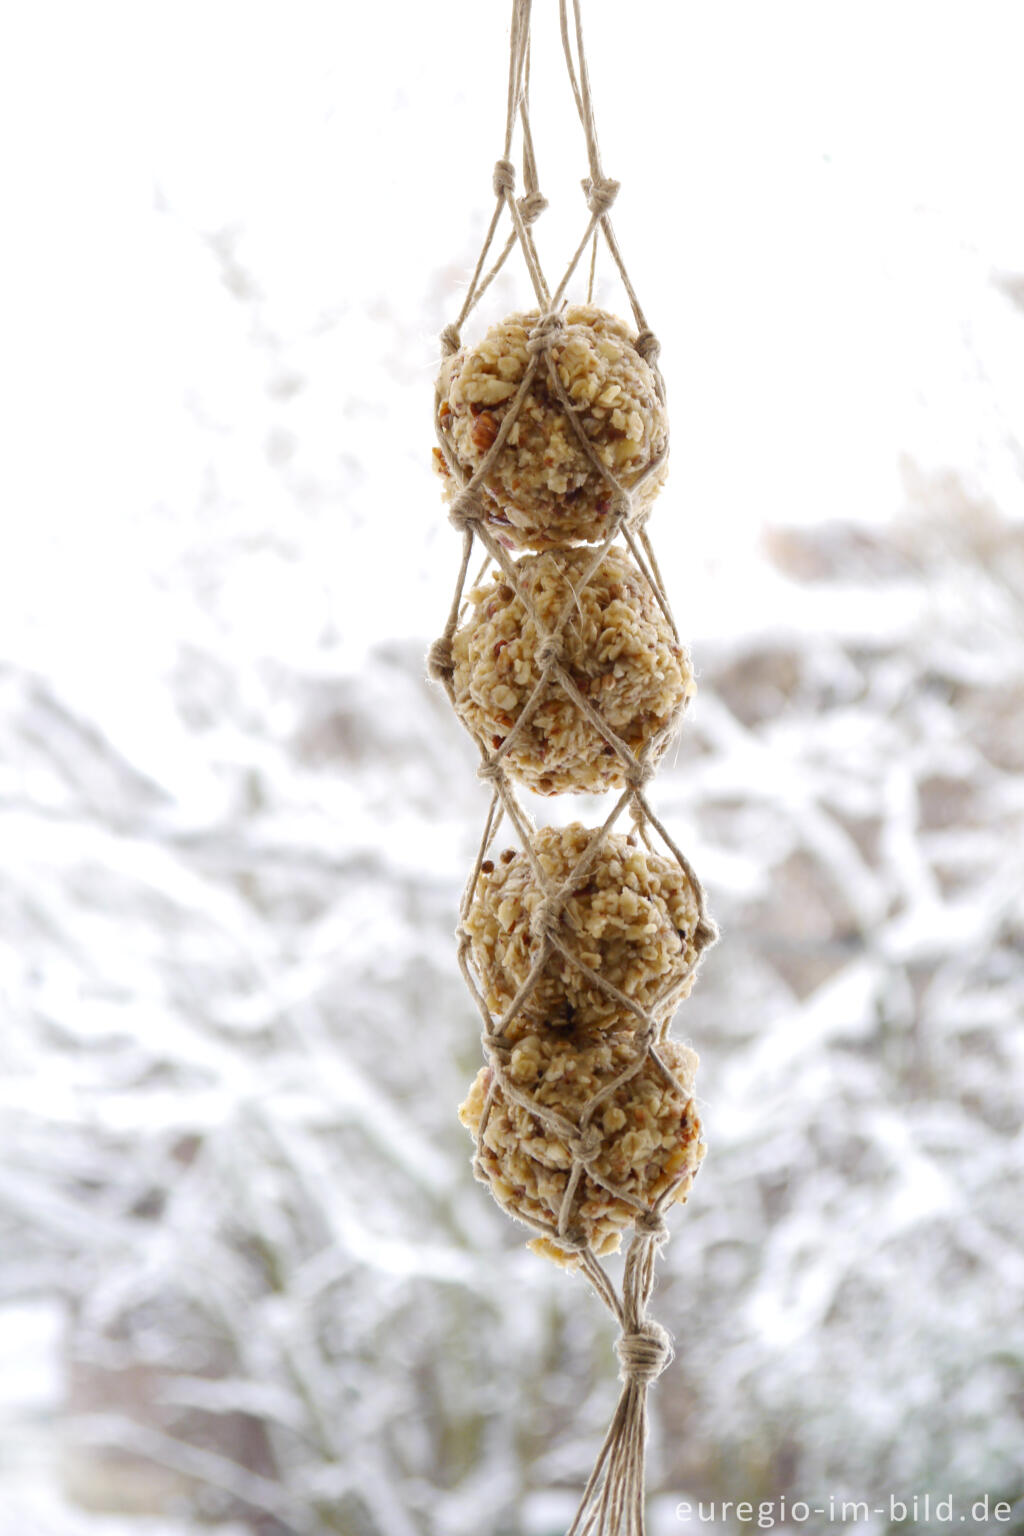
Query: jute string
{"points": [[613, 1500]]}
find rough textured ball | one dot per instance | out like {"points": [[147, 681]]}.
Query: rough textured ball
{"points": [[646, 1135], [617, 647], [631, 918], [543, 490]]}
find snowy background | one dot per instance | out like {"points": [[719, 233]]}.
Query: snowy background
{"points": [[246, 1280]]}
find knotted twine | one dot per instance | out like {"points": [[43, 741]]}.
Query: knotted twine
{"points": [[613, 1500]]}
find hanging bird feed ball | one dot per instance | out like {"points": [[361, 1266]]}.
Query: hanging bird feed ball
{"points": [[591, 410], [632, 918], [640, 1144], [616, 646]]}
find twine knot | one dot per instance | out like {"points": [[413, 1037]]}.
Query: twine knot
{"points": [[638, 774], [705, 934], [621, 505], [451, 341], [601, 194], [504, 177], [575, 1242], [544, 919], [490, 772], [546, 332], [649, 347], [439, 660], [643, 1036], [651, 1224], [549, 652], [531, 207], [645, 1354], [466, 508], [584, 1146]]}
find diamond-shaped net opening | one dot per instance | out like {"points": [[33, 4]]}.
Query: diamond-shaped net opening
{"points": [[567, 669]]}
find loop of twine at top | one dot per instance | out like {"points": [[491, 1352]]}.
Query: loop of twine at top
{"points": [[645, 1354]]}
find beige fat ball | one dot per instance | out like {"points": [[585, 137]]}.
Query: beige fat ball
{"points": [[632, 918], [616, 645], [643, 1140], [542, 489]]}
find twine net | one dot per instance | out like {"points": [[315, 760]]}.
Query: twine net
{"points": [[613, 1500]]}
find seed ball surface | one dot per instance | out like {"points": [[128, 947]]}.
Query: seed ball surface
{"points": [[631, 918], [617, 647], [542, 489], [648, 1134]]}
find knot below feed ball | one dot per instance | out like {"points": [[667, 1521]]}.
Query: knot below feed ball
{"points": [[631, 919], [645, 1354], [546, 487], [617, 648], [646, 1143]]}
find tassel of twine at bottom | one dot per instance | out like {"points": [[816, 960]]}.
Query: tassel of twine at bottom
{"points": [[613, 1500]]}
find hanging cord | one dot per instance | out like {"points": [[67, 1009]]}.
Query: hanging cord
{"points": [[530, 206], [600, 190], [613, 1500]]}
